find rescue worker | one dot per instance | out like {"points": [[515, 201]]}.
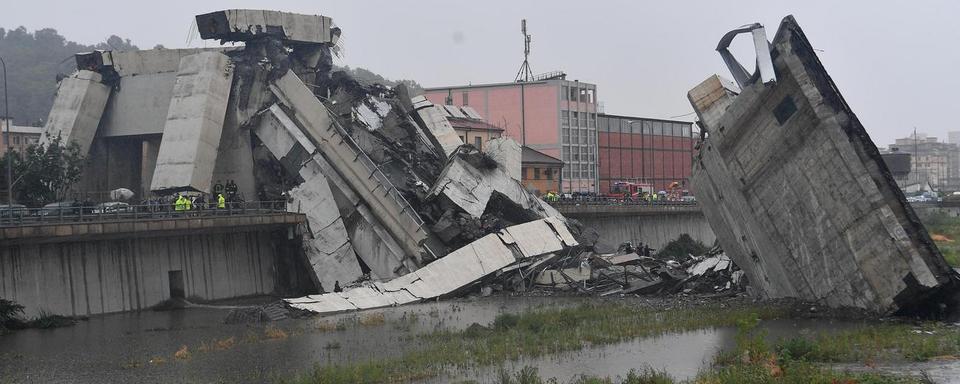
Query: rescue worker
{"points": [[187, 204], [221, 201]]}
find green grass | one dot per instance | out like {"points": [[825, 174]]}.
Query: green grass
{"points": [[789, 372], [949, 226], [798, 360], [890, 342], [551, 331], [533, 334]]}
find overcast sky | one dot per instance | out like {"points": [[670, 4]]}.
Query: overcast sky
{"points": [[896, 63]]}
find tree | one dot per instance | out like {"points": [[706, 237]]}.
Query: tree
{"points": [[45, 173], [34, 61]]}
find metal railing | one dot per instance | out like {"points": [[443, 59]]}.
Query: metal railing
{"points": [[112, 212], [619, 201]]}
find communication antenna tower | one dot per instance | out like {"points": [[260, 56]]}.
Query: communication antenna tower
{"points": [[525, 74]]}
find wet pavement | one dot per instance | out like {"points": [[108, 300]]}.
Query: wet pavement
{"points": [[142, 347]]}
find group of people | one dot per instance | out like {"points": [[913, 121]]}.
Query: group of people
{"points": [[183, 203]]}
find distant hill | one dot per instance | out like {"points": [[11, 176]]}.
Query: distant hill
{"points": [[33, 62]]}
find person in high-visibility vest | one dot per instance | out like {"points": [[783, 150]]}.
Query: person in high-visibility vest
{"points": [[221, 202], [178, 205], [187, 204]]}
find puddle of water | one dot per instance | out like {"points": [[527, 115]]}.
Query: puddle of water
{"points": [[682, 355], [119, 347]]}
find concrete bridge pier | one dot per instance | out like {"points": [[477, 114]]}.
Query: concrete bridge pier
{"points": [[655, 225]]}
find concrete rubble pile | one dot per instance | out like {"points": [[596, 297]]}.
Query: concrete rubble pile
{"points": [[391, 194], [627, 272], [797, 192], [713, 272]]}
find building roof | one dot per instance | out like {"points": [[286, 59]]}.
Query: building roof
{"points": [[897, 162], [21, 129], [510, 84], [472, 124], [532, 156], [642, 118]]}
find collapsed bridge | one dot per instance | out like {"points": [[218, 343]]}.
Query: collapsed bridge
{"points": [[387, 188]]}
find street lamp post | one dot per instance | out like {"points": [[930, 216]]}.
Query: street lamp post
{"points": [[643, 146], [6, 137]]}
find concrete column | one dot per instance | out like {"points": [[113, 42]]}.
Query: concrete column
{"points": [[148, 162], [77, 110], [191, 135]]}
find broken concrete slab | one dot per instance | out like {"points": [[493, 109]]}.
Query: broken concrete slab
{"points": [[191, 134], [77, 110], [442, 277], [368, 239], [471, 189], [440, 132], [329, 250], [249, 24], [363, 176], [798, 194], [506, 152], [140, 62]]}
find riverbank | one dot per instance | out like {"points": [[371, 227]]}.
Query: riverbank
{"points": [[471, 340], [799, 358]]}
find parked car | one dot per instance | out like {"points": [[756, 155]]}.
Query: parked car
{"points": [[112, 207], [15, 210], [61, 208]]}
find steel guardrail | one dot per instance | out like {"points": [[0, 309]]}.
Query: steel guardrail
{"points": [[17, 216]]}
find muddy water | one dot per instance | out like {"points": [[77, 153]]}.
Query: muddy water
{"points": [[142, 347]]}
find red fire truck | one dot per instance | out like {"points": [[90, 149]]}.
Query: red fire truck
{"points": [[628, 189]]}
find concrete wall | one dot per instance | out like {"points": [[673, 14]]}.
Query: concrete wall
{"points": [[655, 230], [91, 277]]}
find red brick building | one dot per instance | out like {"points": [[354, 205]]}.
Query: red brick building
{"points": [[642, 150]]}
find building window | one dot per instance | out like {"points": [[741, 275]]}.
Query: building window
{"points": [[586, 95], [463, 139], [566, 135], [566, 153], [565, 118], [466, 101], [536, 173], [592, 123], [657, 128], [564, 91], [16, 139], [477, 142], [549, 173], [575, 116]]}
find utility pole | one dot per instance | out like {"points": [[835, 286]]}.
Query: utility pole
{"points": [[524, 75], [6, 137]]}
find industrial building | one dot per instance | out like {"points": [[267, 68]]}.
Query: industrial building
{"points": [[934, 162], [643, 151], [550, 114]]}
